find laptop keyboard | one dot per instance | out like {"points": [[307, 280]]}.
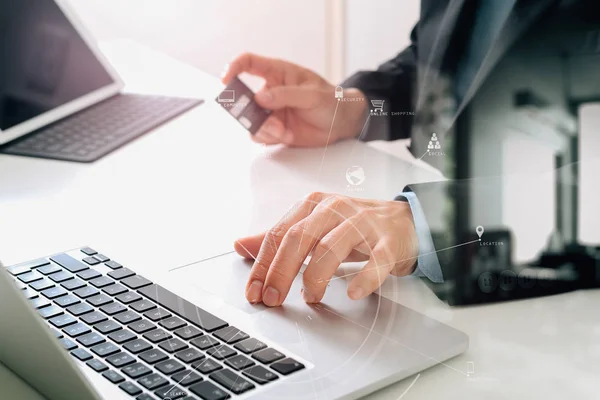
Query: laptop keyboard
{"points": [[100, 129], [142, 337]]}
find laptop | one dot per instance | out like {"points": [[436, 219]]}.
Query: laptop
{"points": [[59, 96], [84, 326]]}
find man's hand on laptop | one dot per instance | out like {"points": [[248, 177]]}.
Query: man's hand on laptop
{"points": [[304, 103], [332, 229]]}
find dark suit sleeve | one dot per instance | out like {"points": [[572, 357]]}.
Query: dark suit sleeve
{"points": [[394, 83]]}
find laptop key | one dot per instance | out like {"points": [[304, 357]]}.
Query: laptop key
{"points": [[169, 367], [113, 264], [91, 339], [66, 301], [130, 388], [97, 365], [23, 268], [89, 274], [101, 257], [29, 277], [68, 344], [81, 354], [113, 376], [230, 334], [91, 261], [170, 392], [80, 309], [231, 381], [186, 378], [137, 346], [135, 282], [105, 349], [209, 391], [239, 362], [189, 355], [250, 345], [260, 374], [107, 327], [49, 312], [287, 366], [113, 308], [76, 329], [183, 308], [141, 326], [153, 356], [127, 316], [122, 336], [86, 292], [157, 314], [62, 320], [136, 370], [157, 335], [73, 284], [94, 318], [204, 342], [172, 345], [120, 360], [49, 269], [101, 281], [206, 366], [121, 273], [29, 293], [142, 305], [99, 300], [128, 297], [152, 381], [188, 332], [54, 292], [221, 352], [114, 289], [268, 355], [42, 284], [39, 302], [88, 251], [172, 323], [60, 276], [69, 263]]}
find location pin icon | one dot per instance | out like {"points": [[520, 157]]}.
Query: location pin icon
{"points": [[479, 231]]}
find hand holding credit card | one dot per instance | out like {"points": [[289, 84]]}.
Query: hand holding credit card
{"points": [[238, 100]]}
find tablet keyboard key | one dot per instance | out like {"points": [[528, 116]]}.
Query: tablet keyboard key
{"points": [[127, 317], [89, 274], [137, 346], [231, 381], [120, 360], [143, 306], [250, 346], [135, 282], [157, 335], [128, 297], [101, 257], [260, 374], [130, 388], [204, 342], [62, 320], [69, 263], [101, 281], [170, 392], [76, 329], [94, 318], [91, 261], [60, 276], [153, 356], [287, 366], [39, 302], [186, 378], [31, 276], [152, 381], [189, 355], [80, 309], [113, 264], [188, 332], [81, 354], [136, 370], [230, 334], [268, 355], [239, 362], [113, 376], [209, 391], [99, 300], [169, 367], [73, 284], [206, 366], [42, 284], [85, 292], [106, 327], [122, 336], [88, 251], [50, 312], [121, 273], [105, 349], [49, 269], [156, 315], [29, 293], [113, 308], [141, 326], [91, 339], [114, 289], [221, 352], [172, 323], [97, 365], [68, 344], [54, 292], [172, 345], [66, 301]]}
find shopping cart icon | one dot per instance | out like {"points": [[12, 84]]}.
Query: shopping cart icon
{"points": [[377, 106]]}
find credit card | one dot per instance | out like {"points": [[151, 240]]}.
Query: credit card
{"points": [[238, 100]]}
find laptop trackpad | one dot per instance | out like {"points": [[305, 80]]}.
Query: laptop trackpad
{"points": [[225, 277]]}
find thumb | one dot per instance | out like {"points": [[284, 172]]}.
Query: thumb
{"points": [[275, 98], [249, 246]]}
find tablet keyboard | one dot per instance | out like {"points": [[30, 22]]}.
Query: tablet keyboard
{"points": [[142, 337], [98, 130]]}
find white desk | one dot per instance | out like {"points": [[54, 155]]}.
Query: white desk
{"points": [[186, 191]]}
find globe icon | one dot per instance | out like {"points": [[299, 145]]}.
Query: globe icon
{"points": [[355, 175]]}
